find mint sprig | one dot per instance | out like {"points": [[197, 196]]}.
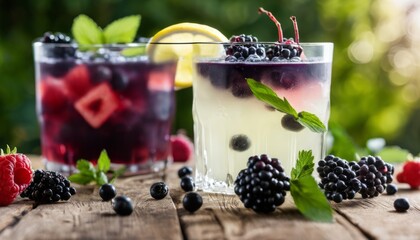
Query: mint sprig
{"points": [[267, 95], [308, 198], [88, 173], [87, 32]]}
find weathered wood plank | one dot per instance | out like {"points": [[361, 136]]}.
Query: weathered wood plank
{"points": [[86, 216]]}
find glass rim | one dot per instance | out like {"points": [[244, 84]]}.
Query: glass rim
{"points": [[126, 45]]}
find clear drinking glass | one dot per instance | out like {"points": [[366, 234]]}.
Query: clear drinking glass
{"points": [[111, 97], [230, 124]]}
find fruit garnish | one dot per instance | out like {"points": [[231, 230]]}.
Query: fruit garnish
{"points": [[159, 190], [182, 148], [184, 171], [309, 199], [122, 205], [267, 95], [391, 189], [401, 204], [263, 184], [48, 187], [184, 33], [187, 184], [245, 48], [15, 175], [410, 174], [87, 32], [88, 173]]}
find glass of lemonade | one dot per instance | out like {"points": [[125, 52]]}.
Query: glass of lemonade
{"points": [[231, 124], [106, 98]]}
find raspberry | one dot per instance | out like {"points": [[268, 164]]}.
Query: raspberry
{"points": [[15, 175], [182, 148], [263, 185], [410, 174]]}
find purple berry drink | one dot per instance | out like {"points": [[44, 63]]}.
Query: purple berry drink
{"points": [[231, 124], [87, 102]]}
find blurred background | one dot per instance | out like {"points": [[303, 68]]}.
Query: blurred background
{"points": [[376, 69]]}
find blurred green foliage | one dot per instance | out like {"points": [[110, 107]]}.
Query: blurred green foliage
{"points": [[365, 103]]}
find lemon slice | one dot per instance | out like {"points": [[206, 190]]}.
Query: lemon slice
{"points": [[180, 35]]}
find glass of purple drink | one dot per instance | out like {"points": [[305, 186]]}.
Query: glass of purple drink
{"points": [[231, 124], [91, 98]]}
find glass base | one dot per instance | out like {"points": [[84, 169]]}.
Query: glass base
{"points": [[207, 184], [131, 169]]}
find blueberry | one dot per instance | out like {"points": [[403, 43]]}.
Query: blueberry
{"points": [[240, 142], [107, 192], [187, 184], [159, 190], [192, 201], [122, 205], [401, 204], [289, 122], [119, 81], [100, 74], [184, 171], [391, 189]]}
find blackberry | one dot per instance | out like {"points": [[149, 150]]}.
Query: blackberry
{"points": [[245, 48], [184, 171], [263, 184], [122, 205], [58, 51], [337, 179], [107, 192], [159, 190], [192, 201], [48, 187], [374, 174]]}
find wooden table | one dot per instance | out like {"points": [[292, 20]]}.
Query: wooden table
{"points": [[85, 216]]}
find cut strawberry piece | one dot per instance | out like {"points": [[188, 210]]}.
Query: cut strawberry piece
{"points": [[160, 81], [53, 96], [78, 81], [98, 105]]}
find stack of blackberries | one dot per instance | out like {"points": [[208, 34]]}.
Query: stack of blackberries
{"points": [[48, 187], [263, 184], [341, 179], [245, 48]]}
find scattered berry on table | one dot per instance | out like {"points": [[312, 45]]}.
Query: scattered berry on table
{"points": [[391, 189], [122, 205], [182, 148], [401, 204], [107, 192], [263, 184], [240, 142], [410, 174], [15, 175], [48, 187], [338, 179], [184, 171], [187, 184], [159, 190], [192, 201]]}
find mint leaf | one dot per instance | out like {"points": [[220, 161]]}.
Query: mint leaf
{"points": [[133, 51], [86, 31], [122, 30], [85, 166], [101, 178], [311, 121], [104, 163], [309, 199], [80, 178], [267, 95], [304, 165]]}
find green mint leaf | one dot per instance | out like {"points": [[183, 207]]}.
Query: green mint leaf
{"points": [[310, 200], [81, 178], [86, 31], [101, 178], [104, 163], [122, 30], [267, 95], [117, 173], [304, 165], [130, 52], [311, 121], [85, 166]]}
